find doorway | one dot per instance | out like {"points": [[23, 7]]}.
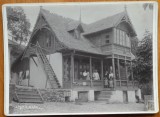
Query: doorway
{"points": [[125, 96], [83, 96]]}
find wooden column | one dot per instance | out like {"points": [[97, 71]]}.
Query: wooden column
{"points": [[132, 73], [126, 70], [90, 68], [72, 69], [29, 71], [113, 65], [102, 69], [119, 71]]}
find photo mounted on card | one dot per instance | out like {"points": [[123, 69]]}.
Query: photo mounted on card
{"points": [[80, 58]]}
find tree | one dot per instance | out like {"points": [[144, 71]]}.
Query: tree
{"points": [[18, 24], [143, 65]]}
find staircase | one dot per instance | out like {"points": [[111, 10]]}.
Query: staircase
{"points": [[27, 95], [47, 68], [104, 95]]}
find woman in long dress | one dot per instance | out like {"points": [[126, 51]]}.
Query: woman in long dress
{"points": [[106, 83], [111, 80]]}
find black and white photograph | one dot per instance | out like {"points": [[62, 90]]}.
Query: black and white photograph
{"points": [[80, 58]]}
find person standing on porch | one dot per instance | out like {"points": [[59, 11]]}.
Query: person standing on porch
{"points": [[111, 80], [85, 75], [96, 75], [88, 75], [106, 80]]}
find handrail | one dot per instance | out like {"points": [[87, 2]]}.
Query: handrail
{"points": [[39, 94], [45, 61]]}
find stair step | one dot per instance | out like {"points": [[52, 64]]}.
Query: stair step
{"points": [[105, 99], [25, 89], [106, 92], [30, 101], [104, 96], [28, 97], [27, 93]]}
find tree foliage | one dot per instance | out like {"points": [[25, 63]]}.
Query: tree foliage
{"points": [[142, 67], [18, 24]]}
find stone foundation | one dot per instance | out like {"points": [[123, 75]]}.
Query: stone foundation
{"points": [[65, 95], [55, 95]]}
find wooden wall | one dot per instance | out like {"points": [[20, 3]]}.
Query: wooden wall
{"points": [[99, 39]]}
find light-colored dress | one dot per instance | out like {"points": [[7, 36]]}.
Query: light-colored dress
{"points": [[96, 76], [111, 80]]}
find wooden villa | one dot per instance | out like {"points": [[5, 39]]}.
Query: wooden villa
{"points": [[60, 49]]}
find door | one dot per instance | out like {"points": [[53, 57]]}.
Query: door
{"points": [[83, 96], [125, 97]]}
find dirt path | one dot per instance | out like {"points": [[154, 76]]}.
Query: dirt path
{"points": [[89, 107]]}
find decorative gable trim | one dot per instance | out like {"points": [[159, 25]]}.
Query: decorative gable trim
{"points": [[125, 18], [40, 23]]}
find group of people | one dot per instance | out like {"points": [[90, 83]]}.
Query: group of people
{"points": [[108, 80], [95, 76], [108, 77]]}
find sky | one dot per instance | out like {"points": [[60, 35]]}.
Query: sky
{"points": [[141, 19]]}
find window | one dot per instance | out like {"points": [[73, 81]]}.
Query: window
{"points": [[107, 41], [48, 41], [115, 36], [118, 40], [121, 38], [124, 38], [127, 41]]}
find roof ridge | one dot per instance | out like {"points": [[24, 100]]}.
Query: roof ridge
{"points": [[107, 17]]}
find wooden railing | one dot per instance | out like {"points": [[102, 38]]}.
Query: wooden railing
{"points": [[90, 83], [126, 83]]}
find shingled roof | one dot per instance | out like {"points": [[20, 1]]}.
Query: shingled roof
{"points": [[105, 23], [59, 26]]}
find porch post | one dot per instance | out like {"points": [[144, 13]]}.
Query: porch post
{"points": [[126, 70], [119, 71], [72, 69], [102, 69], [132, 72], [113, 70], [29, 72], [90, 68]]}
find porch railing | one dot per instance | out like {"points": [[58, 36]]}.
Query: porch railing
{"points": [[90, 83], [120, 83]]}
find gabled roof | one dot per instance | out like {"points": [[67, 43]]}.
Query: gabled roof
{"points": [[106, 23], [59, 24], [72, 25]]}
